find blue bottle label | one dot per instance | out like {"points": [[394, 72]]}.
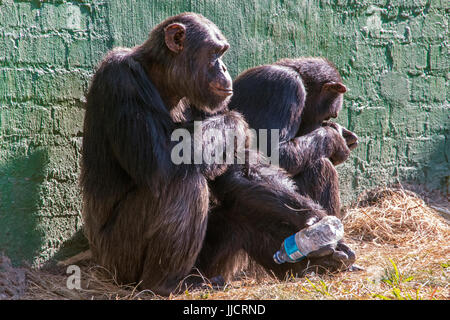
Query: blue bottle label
{"points": [[292, 250]]}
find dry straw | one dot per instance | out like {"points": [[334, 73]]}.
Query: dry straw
{"points": [[396, 216], [384, 224]]}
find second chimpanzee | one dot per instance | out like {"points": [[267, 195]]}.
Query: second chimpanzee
{"points": [[296, 96]]}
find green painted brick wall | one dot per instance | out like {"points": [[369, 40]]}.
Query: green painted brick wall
{"points": [[393, 55]]}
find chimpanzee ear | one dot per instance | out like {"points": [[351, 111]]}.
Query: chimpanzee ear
{"points": [[175, 34], [337, 87]]}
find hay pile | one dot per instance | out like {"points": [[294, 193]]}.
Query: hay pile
{"points": [[384, 224], [396, 216], [96, 283]]}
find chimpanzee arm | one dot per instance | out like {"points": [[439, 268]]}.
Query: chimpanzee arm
{"points": [[350, 137], [219, 133], [135, 123], [262, 201], [300, 152], [138, 126], [266, 190]]}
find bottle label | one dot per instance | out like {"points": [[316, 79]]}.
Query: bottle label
{"points": [[292, 250]]}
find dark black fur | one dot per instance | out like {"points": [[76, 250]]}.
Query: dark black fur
{"points": [[148, 220], [295, 96]]}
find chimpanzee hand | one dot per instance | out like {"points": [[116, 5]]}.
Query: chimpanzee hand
{"points": [[239, 127], [350, 138], [336, 257], [224, 128], [339, 151]]}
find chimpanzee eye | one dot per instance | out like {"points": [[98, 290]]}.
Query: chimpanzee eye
{"points": [[212, 60], [212, 55]]}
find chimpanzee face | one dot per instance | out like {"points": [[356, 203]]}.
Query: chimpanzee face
{"points": [[205, 80], [217, 84], [218, 77]]}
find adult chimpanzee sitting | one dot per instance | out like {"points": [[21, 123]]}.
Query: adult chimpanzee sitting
{"points": [[146, 218], [297, 97]]}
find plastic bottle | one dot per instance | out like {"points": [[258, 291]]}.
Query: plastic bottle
{"points": [[294, 248]]}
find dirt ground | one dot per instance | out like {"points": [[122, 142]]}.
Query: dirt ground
{"points": [[402, 241]]}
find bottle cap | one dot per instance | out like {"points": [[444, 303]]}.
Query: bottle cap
{"points": [[277, 258]]}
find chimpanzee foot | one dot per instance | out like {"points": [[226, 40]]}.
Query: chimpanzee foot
{"points": [[194, 282], [331, 258]]}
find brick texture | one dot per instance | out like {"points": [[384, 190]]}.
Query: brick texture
{"points": [[393, 55]]}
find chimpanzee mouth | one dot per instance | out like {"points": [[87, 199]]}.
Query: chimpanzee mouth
{"points": [[353, 145], [222, 91]]}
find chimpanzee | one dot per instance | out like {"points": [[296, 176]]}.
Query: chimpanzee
{"points": [[148, 219], [297, 96]]}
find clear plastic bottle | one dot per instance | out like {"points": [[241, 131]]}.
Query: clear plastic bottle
{"points": [[294, 248]]}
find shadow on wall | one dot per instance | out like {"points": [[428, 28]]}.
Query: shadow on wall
{"points": [[439, 167], [74, 245], [428, 164], [20, 183]]}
